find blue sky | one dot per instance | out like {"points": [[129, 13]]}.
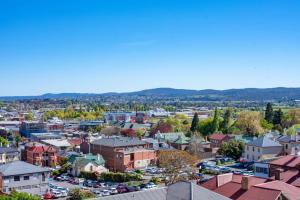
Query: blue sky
{"points": [[127, 45]]}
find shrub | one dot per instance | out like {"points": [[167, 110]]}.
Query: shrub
{"points": [[119, 177], [155, 180]]}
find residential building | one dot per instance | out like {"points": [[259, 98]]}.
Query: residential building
{"points": [[38, 137], [178, 140], [88, 163], [23, 177], [58, 144], [238, 187], [289, 143], [40, 155], [262, 148], [8, 154], [121, 153], [217, 139], [28, 127], [87, 125]]}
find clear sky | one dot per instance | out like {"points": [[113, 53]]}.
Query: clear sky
{"points": [[127, 45]]}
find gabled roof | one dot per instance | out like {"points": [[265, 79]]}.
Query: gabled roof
{"points": [[218, 136], [289, 161], [289, 191], [20, 167], [264, 142]]}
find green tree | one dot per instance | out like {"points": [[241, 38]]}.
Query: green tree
{"points": [[29, 116], [195, 122], [77, 194], [225, 124], [249, 122], [19, 196], [216, 121], [233, 149], [17, 140], [3, 141], [205, 127], [278, 120], [269, 113]]}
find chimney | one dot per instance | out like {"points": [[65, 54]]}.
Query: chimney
{"points": [[223, 179], [278, 174], [246, 182]]}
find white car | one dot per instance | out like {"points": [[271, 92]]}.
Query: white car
{"points": [[105, 193], [113, 190], [57, 194]]}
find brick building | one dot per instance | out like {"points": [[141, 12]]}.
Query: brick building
{"points": [[121, 153], [40, 155], [217, 139]]}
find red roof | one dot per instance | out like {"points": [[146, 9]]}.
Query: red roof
{"points": [[289, 161], [289, 191], [259, 194], [38, 149], [75, 141], [233, 189], [218, 136], [291, 177]]}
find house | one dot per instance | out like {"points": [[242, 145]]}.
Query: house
{"points": [[40, 155], [23, 177], [178, 140], [88, 163], [289, 143], [217, 139], [177, 191], [28, 127], [238, 187], [87, 125], [8, 154], [121, 153], [262, 148], [38, 137]]}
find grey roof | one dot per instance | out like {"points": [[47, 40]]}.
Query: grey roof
{"points": [[118, 141], [264, 142], [156, 194], [20, 167], [188, 190], [177, 191], [8, 150], [285, 139]]}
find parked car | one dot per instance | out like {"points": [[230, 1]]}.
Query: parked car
{"points": [[57, 194], [105, 193], [122, 189], [113, 190], [48, 195]]}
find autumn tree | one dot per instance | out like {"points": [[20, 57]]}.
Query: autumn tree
{"points": [[128, 132], [161, 127], [174, 161], [249, 122]]}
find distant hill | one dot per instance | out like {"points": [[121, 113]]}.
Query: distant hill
{"points": [[247, 94]]}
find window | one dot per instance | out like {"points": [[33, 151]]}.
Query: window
{"points": [[16, 178], [247, 156], [286, 146], [253, 149], [26, 178], [132, 156], [258, 149], [91, 168], [43, 177], [261, 170], [247, 148]]}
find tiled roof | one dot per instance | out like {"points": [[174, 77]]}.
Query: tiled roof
{"points": [[218, 136], [289, 191], [291, 177], [264, 142], [20, 167], [119, 141], [259, 194], [289, 161]]}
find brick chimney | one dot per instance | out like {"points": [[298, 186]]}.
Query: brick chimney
{"points": [[277, 173], [246, 182]]}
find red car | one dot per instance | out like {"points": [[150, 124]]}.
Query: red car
{"points": [[48, 195]]}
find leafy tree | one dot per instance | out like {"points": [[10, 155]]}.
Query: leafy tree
{"points": [[195, 122], [78, 194], [233, 149], [3, 141], [17, 140], [174, 162], [249, 122], [278, 119], [129, 132], [19, 196], [269, 113], [29, 116], [266, 125], [216, 121], [205, 127], [139, 132], [225, 124]]}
